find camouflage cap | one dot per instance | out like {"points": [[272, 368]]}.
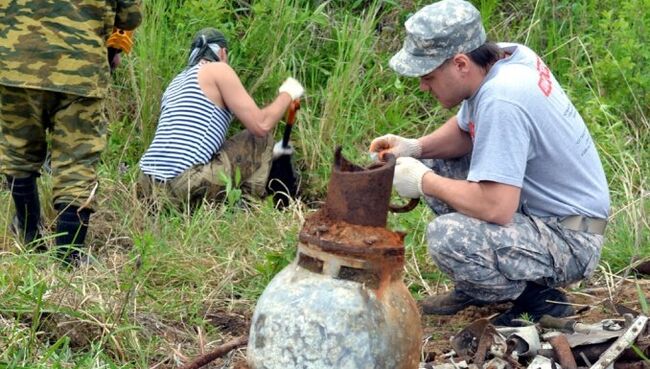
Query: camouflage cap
{"points": [[436, 33]]}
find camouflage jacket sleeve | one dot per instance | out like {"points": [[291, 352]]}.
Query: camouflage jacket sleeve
{"points": [[60, 45], [127, 15]]}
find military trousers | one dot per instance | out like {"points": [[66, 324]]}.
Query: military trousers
{"points": [[491, 262], [77, 132], [244, 152]]}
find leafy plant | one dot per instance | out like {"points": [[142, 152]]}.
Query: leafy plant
{"points": [[231, 184]]}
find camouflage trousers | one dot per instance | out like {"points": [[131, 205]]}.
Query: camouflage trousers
{"points": [[77, 134], [493, 263], [244, 153]]}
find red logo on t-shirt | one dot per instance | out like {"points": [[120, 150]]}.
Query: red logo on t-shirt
{"points": [[544, 82], [471, 130]]}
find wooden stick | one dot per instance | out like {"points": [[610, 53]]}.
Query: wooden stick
{"points": [[218, 352]]}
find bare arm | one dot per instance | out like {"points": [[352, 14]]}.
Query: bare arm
{"points": [[258, 121], [490, 201], [446, 142]]}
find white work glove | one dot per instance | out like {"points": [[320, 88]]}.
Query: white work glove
{"points": [[292, 87], [396, 145], [278, 150], [408, 177]]}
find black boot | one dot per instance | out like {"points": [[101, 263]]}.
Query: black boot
{"points": [[26, 221], [71, 229], [532, 304]]}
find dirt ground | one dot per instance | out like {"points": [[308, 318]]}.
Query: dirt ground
{"points": [[592, 305]]}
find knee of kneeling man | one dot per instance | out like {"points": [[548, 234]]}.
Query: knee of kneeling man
{"points": [[443, 231]]}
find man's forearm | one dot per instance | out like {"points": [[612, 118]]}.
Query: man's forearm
{"points": [[489, 201]]}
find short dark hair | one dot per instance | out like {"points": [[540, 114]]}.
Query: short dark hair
{"points": [[486, 55]]}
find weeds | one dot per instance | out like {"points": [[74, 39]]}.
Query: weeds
{"points": [[161, 272]]}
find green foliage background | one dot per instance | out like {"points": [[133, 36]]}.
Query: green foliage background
{"points": [[160, 276]]}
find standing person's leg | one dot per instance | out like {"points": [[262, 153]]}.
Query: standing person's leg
{"points": [[78, 139], [23, 147]]}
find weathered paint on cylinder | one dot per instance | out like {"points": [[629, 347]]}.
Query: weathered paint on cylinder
{"points": [[312, 320]]}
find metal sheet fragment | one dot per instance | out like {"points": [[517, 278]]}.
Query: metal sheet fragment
{"points": [[623, 342]]}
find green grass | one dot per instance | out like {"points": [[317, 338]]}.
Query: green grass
{"points": [[161, 273]]}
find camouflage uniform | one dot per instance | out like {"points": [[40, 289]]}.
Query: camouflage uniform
{"points": [[491, 262], [54, 74], [252, 155]]}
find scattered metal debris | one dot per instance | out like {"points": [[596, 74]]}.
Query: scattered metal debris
{"points": [[552, 343]]}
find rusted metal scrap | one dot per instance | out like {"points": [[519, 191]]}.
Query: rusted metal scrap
{"points": [[342, 302], [565, 344], [359, 195], [563, 352]]}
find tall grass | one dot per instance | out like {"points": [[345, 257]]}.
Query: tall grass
{"points": [[161, 275]]}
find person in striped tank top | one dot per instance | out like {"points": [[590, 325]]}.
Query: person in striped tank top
{"points": [[189, 154]]}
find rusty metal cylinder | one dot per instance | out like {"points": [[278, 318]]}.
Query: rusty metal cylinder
{"points": [[342, 302], [359, 195], [318, 313]]}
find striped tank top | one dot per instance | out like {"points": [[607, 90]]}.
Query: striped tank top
{"points": [[191, 129]]}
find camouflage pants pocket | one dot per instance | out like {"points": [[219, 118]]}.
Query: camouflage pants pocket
{"points": [[581, 251]]}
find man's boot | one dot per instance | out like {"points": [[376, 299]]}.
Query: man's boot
{"points": [[449, 303], [71, 229], [532, 304], [26, 221]]}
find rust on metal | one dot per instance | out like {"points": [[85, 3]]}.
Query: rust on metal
{"points": [[352, 224], [359, 195], [563, 351], [473, 342], [350, 239]]}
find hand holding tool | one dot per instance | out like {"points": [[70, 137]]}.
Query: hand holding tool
{"points": [[292, 87]]}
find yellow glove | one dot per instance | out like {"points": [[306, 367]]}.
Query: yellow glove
{"points": [[121, 40]]}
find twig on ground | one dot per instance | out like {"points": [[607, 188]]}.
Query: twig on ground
{"points": [[201, 341], [218, 352]]}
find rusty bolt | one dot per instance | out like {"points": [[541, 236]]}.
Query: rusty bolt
{"points": [[371, 240], [322, 229]]}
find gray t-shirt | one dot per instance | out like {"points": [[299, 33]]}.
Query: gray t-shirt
{"points": [[527, 133]]}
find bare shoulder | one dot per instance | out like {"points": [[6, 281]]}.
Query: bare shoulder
{"points": [[220, 70]]}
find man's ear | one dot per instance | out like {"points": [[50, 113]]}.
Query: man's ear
{"points": [[461, 62]]}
